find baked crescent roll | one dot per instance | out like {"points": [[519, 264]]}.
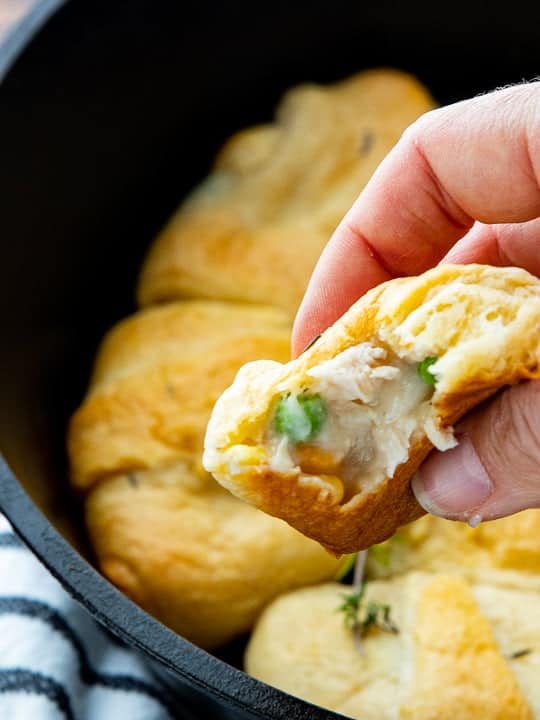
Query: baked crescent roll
{"points": [[194, 556], [329, 441], [255, 228], [460, 651], [156, 378], [504, 552], [162, 529]]}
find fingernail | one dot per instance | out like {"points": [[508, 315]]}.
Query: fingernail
{"points": [[454, 483]]}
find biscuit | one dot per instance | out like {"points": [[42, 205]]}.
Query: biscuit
{"points": [[459, 651], [162, 529], [194, 556], [504, 552], [255, 228], [330, 441], [155, 380]]}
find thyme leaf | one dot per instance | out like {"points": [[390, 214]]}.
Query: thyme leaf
{"points": [[367, 141], [377, 615], [351, 606], [360, 616], [132, 479], [520, 653]]}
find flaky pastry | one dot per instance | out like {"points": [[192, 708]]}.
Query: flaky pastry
{"points": [[330, 441], [156, 378], [503, 552], [254, 229], [457, 651], [194, 556], [162, 529]]}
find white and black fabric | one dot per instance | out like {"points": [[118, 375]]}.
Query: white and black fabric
{"points": [[56, 663]]}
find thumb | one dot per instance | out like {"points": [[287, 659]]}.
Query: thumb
{"points": [[495, 469]]}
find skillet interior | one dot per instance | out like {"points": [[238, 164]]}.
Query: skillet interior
{"points": [[112, 113]]}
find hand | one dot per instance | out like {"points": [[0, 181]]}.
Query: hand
{"points": [[461, 186]]}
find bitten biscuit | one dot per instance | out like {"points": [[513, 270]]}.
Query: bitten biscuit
{"points": [[255, 228], [330, 441]]}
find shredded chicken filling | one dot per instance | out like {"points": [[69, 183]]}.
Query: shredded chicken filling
{"points": [[374, 407]]}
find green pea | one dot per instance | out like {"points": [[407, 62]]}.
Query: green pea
{"points": [[300, 417], [425, 372]]}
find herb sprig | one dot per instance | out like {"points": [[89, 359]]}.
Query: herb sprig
{"points": [[377, 615], [360, 616], [351, 605]]}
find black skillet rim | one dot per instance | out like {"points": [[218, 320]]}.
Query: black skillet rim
{"points": [[101, 599]]}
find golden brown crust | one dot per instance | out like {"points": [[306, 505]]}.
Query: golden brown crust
{"points": [[481, 322], [162, 529], [255, 228], [451, 657], [305, 507], [156, 378], [503, 551], [194, 556], [457, 664]]}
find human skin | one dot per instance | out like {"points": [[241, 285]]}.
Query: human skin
{"points": [[462, 185]]}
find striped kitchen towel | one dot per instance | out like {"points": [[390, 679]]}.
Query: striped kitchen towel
{"points": [[56, 663]]}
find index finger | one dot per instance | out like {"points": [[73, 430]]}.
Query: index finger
{"points": [[476, 160]]}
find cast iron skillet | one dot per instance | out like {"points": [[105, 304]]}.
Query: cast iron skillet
{"points": [[109, 115]]}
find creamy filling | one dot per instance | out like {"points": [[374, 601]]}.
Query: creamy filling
{"points": [[280, 458], [375, 408]]}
